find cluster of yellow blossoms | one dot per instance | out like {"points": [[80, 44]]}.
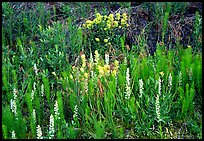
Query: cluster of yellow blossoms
{"points": [[108, 22], [104, 70]]}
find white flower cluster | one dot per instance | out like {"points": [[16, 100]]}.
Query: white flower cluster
{"points": [[107, 59], [51, 127], [180, 78], [39, 132], [128, 89], [35, 69], [158, 107], [34, 116], [33, 91], [75, 112], [13, 135], [159, 88], [13, 102], [75, 116], [56, 110], [141, 87]]}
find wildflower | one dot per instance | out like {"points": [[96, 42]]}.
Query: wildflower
{"points": [[39, 132], [35, 69], [157, 107], [105, 29], [15, 91], [141, 87], [82, 70], [159, 89], [83, 57], [115, 23], [75, 112], [114, 72], [97, 39], [34, 116], [56, 110], [54, 73], [124, 15], [108, 25], [89, 26], [98, 18], [105, 17], [180, 78], [13, 135], [101, 70], [123, 22], [105, 40], [118, 16], [107, 59], [88, 22], [32, 94], [110, 17], [13, 106], [70, 76], [42, 90], [33, 91], [51, 127], [84, 64], [128, 89], [98, 15], [106, 69], [73, 67], [161, 73], [109, 43], [86, 75]]}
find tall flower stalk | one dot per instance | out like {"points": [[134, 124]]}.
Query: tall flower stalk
{"points": [[34, 116], [141, 87], [107, 59], [51, 127], [128, 88], [13, 135], [75, 115], [180, 78], [157, 105], [159, 87], [39, 132], [56, 110], [13, 105]]}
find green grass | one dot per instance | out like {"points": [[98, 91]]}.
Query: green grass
{"points": [[59, 81]]}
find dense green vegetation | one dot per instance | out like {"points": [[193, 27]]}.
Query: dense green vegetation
{"points": [[71, 70]]}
